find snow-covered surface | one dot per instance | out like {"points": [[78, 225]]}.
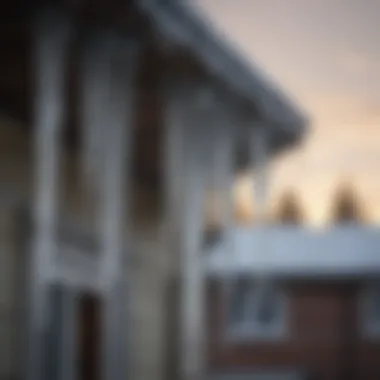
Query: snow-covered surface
{"points": [[296, 251]]}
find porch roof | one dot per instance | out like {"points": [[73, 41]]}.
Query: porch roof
{"points": [[188, 27], [194, 49]]}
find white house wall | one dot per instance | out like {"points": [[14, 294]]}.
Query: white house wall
{"points": [[149, 261]]}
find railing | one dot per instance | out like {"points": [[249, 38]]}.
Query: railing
{"points": [[338, 251]]}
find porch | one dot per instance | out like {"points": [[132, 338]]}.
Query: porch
{"points": [[109, 112]]}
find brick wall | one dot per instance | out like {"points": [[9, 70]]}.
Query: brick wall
{"points": [[324, 335]]}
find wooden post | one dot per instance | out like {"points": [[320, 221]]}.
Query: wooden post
{"points": [[192, 269], [115, 190], [224, 183], [224, 179], [174, 177], [50, 53], [173, 167]]}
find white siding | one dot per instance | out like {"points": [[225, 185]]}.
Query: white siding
{"points": [[150, 263]]}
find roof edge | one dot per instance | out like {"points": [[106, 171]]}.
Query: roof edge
{"points": [[182, 23]]}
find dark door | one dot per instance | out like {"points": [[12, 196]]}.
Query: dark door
{"points": [[89, 337]]}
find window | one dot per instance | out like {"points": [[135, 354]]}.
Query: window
{"points": [[255, 313], [371, 310]]}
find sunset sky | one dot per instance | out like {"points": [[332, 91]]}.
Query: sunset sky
{"points": [[326, 54]]}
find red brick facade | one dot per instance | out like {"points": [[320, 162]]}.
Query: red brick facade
{"points": [[324, 335]]}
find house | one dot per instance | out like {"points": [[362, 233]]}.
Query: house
{"points": [[317, 314], [116, 119]]}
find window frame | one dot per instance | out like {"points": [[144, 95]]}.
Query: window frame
{"points": [[369, 325], [253, 330]]}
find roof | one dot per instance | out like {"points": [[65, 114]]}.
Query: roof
{"points": [[340, 251], [183, 23], [185, 30]]}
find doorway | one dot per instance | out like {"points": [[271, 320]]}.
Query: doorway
{"points": [[89, 325], [86, 334]]}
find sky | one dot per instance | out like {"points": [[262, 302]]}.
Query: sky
{"points": [[326, 55]]}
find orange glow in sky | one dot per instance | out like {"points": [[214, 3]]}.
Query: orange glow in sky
{"points": [[326, 55]]}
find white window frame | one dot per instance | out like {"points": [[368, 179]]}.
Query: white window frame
{"points": [[369, 325], [253, 330]]}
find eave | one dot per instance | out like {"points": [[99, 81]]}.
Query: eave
{"points": [[183, 25]]}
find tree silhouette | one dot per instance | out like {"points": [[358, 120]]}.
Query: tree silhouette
{"points": [[289, 210], [346, 207]]}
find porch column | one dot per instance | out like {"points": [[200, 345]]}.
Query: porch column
{"points": [[120, 58], [50, 53], [224, 183], [224, 173], [192, 332], [177, 108], [173, 165]]}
